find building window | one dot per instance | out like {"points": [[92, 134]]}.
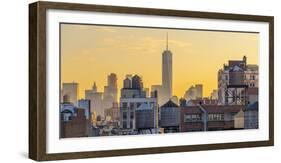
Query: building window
{"points": [[131, 105], [187, 118], [124, 105], [124, 115], [132, 115], [192, 117], [138, 104], [124, 124], [253, 77], [215, 117]]}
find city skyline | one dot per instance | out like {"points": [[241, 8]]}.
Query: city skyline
{"points": [[148, 45]]}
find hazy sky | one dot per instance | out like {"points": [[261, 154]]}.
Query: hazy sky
{"points": [[89, 53]]}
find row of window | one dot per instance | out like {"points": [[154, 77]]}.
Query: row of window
{"points": [[125, 115], [198, 117], [192, 117], [215, 117], [251, 77], [132, 105], [188, 117], [251, 84]]}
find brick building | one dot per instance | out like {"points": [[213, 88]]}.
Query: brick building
{"points": [[208, 117], [235, 80], [75, 121], [75, 126]]}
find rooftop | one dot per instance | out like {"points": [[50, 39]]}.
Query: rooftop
{"points": [[170, 104]]}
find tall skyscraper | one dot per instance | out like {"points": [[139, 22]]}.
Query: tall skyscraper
{"points": [[167, 72], [71, 90], [110, 91], [96, 100]]}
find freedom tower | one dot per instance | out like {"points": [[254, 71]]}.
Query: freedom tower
{"points": [[167, 72]]}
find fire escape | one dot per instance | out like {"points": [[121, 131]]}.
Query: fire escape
{"points": [[236, 95]]}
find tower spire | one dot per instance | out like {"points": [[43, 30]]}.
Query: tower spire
{"points": [[94, 87], [167, 41]]}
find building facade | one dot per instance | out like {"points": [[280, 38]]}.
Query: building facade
{"points": [[113, 112], [75, 121], [208, 117], [251, 116], [234, 80], [239, 120], [86, 105], [110, 91], [96, 99], [136, 110], [158, 88], [202, 101]]}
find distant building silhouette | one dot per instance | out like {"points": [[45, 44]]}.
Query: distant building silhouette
{"points": [[71, 89], [194, 92], [111, 88], [133, 87], [137, 82], [165, 91], [214, 94], [127, 83], [96, 100], [167, 72]]}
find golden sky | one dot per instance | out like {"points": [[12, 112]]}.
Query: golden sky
{"points": [[89, 53]]}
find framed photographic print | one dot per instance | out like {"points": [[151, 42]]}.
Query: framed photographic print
{"points": [[113, 81]]}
